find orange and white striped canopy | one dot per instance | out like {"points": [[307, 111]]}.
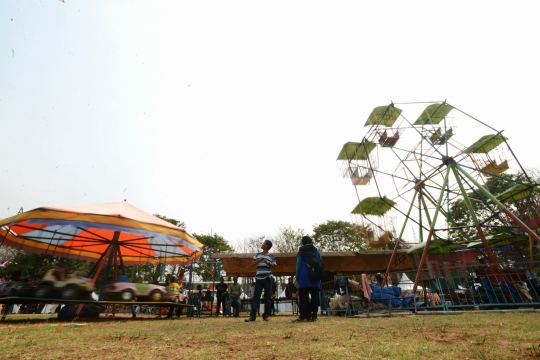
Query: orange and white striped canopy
{"points": [[85, 232]]}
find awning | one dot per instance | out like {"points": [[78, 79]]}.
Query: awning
{"points": [[356, 151], [433, 114], [518, 192], [343, 262], [373, 206], [383, 115], [485, 144]]}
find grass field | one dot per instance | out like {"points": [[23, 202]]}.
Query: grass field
{"points": [[471, 335]]}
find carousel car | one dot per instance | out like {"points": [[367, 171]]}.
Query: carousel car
{"points": [[56, 284], [176, 298], [17, 288], [127, 291]]}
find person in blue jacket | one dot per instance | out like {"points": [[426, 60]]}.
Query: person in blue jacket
{"points": [[308, 290]]}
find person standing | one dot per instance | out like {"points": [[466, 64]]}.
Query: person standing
{"points": [[221, 295], [263, 280], [235, 290], [308, 289]]}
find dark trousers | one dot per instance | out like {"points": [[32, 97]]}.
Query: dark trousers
{"points": [[171, 311], [236, 304], [7, 309], [309, 307], [220, 304], [265, 284]]}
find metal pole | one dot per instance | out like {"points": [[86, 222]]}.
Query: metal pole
{"points": [[5, 235], [132, 273], [161, 269], [116, 236], [190, 283]]}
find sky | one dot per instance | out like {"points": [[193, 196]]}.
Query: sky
{"points": [[229, 116]]}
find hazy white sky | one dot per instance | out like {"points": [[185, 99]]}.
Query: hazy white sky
{"points": [[229, 115]]}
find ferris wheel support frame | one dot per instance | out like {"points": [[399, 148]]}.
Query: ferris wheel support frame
{"points": [[398, 241], [455, 168]]}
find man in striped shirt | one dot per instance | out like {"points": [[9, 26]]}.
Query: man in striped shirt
{"points": [[263, 280]]}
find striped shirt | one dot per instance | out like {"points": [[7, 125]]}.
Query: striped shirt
{"points": [[263, 269]]}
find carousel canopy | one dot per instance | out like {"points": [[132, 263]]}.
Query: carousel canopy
{"points": [[86, 232]]}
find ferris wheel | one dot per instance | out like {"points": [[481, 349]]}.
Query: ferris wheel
{"points": [[420, 164]]}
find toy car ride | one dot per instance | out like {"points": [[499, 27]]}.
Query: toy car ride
{"points": [[55, 284], [17, 288], [126, 291]]}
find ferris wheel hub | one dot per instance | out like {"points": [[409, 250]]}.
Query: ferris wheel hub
{"points": [[447, 160]]}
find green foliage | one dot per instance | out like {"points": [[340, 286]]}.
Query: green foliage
{"points": [[459, 214], [212, 244], [34, 266], [250, 244], [143, 273], [7, 253], [172, 221], [287, 239], [338, 236]]}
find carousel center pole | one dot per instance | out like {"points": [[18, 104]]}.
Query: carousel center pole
{"points": [[110, 251]]}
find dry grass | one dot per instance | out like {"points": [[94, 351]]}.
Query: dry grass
{"points": [[487, 335]]}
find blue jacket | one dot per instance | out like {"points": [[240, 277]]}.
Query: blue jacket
{"points": [[302, 272]]}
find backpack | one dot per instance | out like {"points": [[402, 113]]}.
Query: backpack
{"points": [[315, 269]]}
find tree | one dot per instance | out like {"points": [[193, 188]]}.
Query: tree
{"points": [[287, 239], [212, 244], [34, 266], [143, 273], [154, 272], [7, 253], [250, 245], [487, 213], [338, 236], [175, 222]]}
